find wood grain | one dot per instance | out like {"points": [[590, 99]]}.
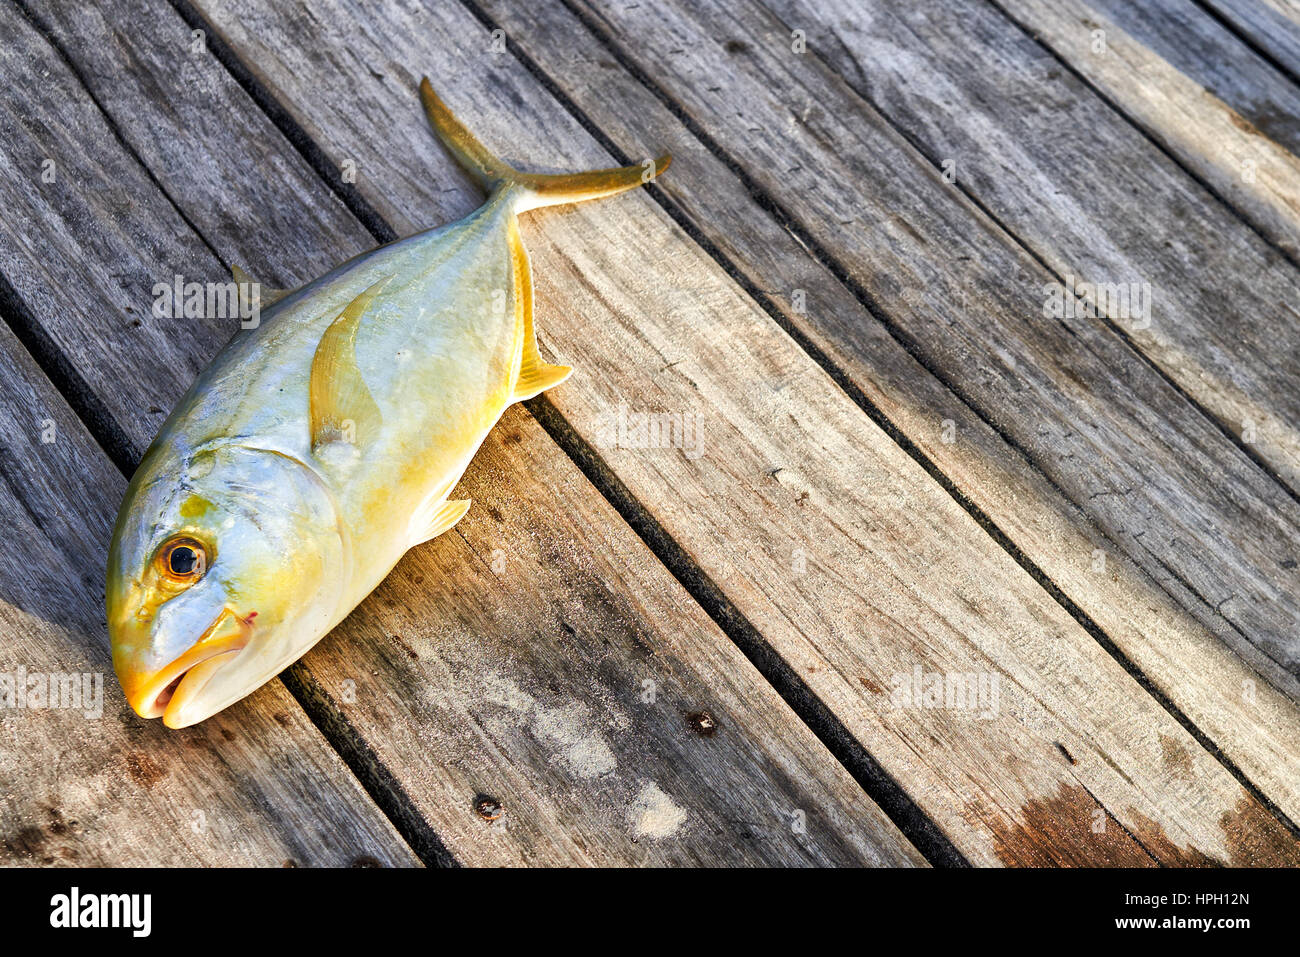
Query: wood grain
{"points": [[898, 576], [86, 783], [1196, 89], [1189, 658], [540, 657], [1122, 213], [967, 301], [1272, 25]]}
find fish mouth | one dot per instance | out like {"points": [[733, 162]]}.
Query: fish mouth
{"points": [[165, 693]]}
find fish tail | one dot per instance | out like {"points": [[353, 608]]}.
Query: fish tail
{"points": [[535, 189]]}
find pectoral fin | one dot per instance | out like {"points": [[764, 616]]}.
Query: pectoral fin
{"points": [[341, 407], [253, 293], [431, 521]]}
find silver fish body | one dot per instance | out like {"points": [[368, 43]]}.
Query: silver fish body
{"points": [[318, 447]]}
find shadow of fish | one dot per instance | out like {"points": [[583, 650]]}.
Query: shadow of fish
{"points": [[320, 446]]}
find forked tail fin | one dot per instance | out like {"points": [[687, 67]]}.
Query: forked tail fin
{"points": [[538, 189]]}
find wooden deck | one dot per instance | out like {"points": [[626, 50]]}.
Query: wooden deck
{"points": [[897, 468]]}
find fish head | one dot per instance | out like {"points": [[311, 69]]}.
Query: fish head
{"points": [[226, 565]]}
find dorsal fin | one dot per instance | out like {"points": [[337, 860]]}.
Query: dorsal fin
{"points": [[536, 375], [254, 293], [341, 407]]}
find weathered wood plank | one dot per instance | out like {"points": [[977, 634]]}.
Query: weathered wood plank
{"points": [[541, 656], [86, 784], [1125, 213], [1122, 214], [897, 575], [555, 666], [968, 302], [1272, 25], [1184, 657], [1195, 88]]}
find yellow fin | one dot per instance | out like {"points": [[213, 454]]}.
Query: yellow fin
{"points": [[536, 189], [536, 375], [252, 292], [432, 520], [341, 407]]}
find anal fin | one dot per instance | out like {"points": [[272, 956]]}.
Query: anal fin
{"points": [[537, 376], [431, 521]]}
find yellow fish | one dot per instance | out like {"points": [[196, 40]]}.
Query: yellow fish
{"points": [[321, 445]]}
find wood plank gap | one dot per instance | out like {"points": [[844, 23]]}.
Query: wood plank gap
{"points": [[1155, 141], [111, 123], [103, 427], [380, 783], [609, 485], [1110, 816], [914, 142], [879, 785], [915, 824], [1248, 42], [297, 137]]}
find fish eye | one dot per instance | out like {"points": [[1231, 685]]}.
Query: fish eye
{"points": [[182, 560]]}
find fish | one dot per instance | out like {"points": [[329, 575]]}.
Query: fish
{"points": [[323, 443]]}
